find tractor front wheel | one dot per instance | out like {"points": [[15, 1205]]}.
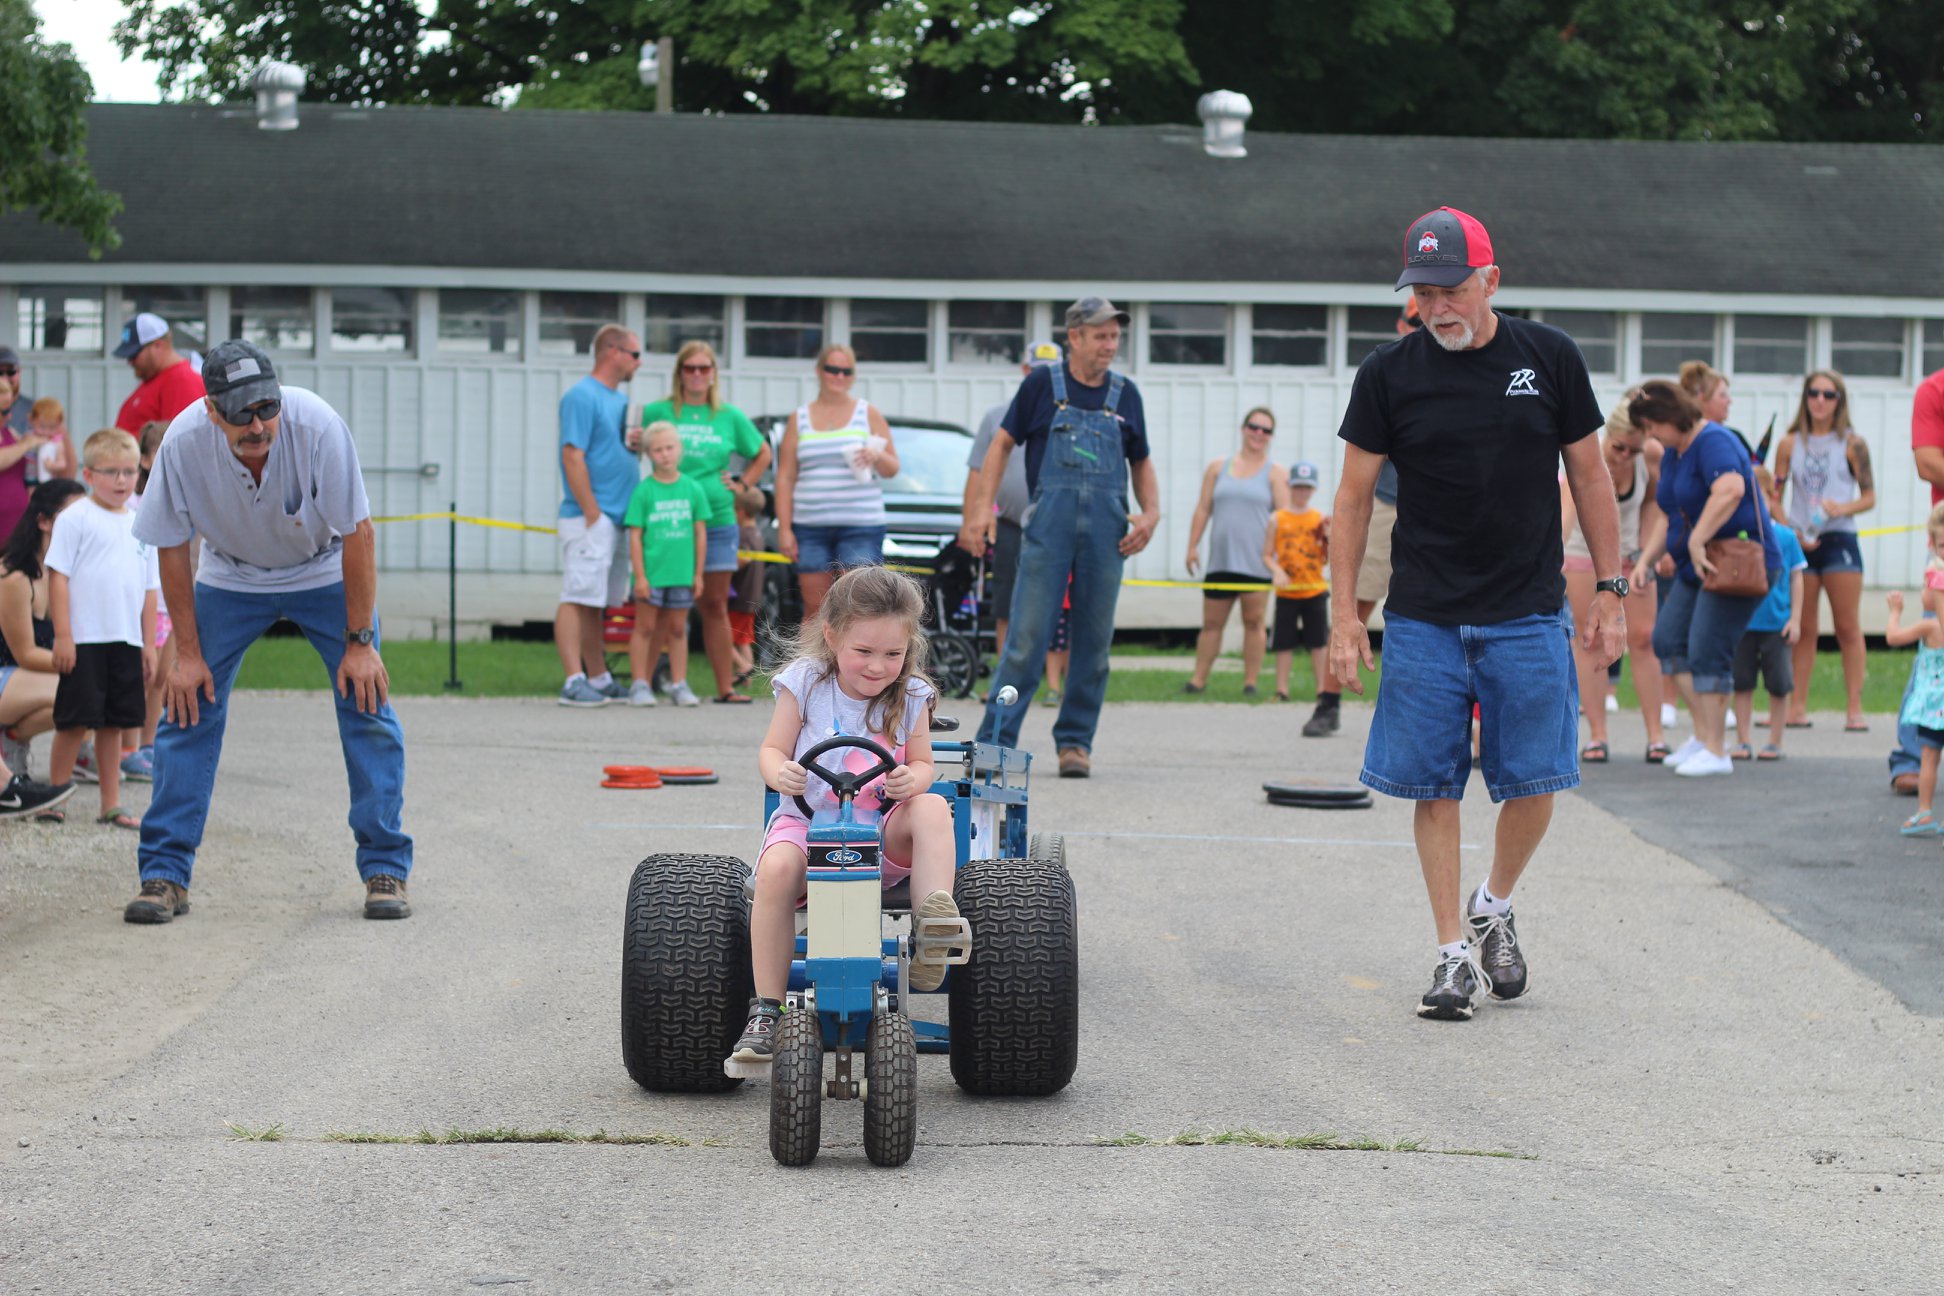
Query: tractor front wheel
{"points": [[796, 1089]]}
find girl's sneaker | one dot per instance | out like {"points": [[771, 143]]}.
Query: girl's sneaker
{"points": [[138, 766], [758, 1042], [683, 695], [84, 765], [1923, 824], [641, 693], [930, 975], [1681, 753]]}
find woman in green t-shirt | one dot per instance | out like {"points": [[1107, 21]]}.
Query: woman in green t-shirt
{"points": [[712, 432]]}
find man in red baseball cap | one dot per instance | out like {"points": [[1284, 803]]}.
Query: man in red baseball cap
{"points": [[1475, 410]]}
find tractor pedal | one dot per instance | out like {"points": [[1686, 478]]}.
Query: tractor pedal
{"points": [[746, 1070], [942, 940]]}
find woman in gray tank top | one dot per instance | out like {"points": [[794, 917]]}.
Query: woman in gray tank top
{"points": [[1239, 495]]}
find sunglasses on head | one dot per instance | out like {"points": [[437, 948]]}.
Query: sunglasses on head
{"points": [[698, 368], [837, 371], [1822, 393], [265, 410], [1263, 428]]}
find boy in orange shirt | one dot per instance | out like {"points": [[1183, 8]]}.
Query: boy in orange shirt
{"points": [[1298, 546]]}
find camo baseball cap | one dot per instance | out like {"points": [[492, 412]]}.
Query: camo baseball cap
{"points": [[237, 375], [1094, 310], [1443, 248]]}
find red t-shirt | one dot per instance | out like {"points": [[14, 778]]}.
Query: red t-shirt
{"points": [[163, 397], [1927, 422]]}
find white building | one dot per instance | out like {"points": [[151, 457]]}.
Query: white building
{"points": [[436, 274]]}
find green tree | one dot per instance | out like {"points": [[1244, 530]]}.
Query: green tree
{"points": [[43, 133]]}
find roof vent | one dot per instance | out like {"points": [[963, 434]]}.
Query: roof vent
{"points": [[277, 86], [1224, 113]]}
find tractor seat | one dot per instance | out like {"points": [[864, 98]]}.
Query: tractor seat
{"points": [[898, 898], [944, 724]]}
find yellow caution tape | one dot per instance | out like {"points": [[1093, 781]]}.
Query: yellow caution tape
{"points": [[1895, 530], [470, 521]]}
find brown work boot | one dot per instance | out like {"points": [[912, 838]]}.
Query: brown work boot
{"points": [[1074, 763], [158, 902], [385, 897]]}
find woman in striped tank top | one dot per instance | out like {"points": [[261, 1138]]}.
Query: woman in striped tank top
{"points": [[830, 472]]}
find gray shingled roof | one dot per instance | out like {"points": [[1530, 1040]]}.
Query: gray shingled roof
{"points": [[849, 198]]}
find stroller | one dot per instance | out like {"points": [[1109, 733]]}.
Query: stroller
{"points": [[962, 632]]}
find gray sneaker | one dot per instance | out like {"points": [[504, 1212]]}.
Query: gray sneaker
{"points": [[1455, 982], [642, 694], [614, 689], [577, 692], [683, 695], [758, 1040], [16, 753], [1497, 941]]}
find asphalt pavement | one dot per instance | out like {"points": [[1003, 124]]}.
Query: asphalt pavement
{"points": [[1704, 1090]]}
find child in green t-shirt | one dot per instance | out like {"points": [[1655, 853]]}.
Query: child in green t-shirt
{"points": [[667, 522]]}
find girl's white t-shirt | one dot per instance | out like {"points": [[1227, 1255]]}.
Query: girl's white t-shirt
{"points": [[827, 712], [108, 570]]}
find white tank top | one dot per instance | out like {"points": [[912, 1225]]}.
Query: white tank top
{"points": [[1629, 519], [1820, 472], [827, 491]]}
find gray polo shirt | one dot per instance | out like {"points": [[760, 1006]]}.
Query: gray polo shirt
{"points": [[280, 535], [1013, 496]]}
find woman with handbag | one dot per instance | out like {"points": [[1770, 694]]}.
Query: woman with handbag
{"points": [[1725, 557]]}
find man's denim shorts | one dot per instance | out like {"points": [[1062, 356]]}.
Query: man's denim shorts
{"points": [[1520, 675]]}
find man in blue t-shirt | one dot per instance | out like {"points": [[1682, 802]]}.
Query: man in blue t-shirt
{"points": [[1476, 410], [1085, 436], [597, 474]]}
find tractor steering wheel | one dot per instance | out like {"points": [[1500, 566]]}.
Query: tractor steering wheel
{"points": [[845, 783]]}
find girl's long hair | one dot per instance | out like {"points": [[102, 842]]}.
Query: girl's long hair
{"points": [[869, 594], [149, 441], [688, 352], [22, 551], [1839, 419]]}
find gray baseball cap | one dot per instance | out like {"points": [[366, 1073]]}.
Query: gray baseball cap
{"points": [[1305, 474], [1094, 310], [237, 375], [9, 356]]}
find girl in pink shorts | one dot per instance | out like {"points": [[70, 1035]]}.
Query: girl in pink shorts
{"points": [[859, 670]]}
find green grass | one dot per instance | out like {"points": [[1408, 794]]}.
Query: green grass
{"points": [[503, 1135], [514, 669], [268, 1134], [1296, 1142]]}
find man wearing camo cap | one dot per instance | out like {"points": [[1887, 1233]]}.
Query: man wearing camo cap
{"points": [[268, 477]]}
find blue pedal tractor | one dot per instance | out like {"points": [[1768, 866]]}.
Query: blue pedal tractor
{"points": [[1012, 989]]}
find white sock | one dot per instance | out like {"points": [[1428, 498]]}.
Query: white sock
{"points": [[577, 675], [603, 680], [1457, 949], [1483, 901]]}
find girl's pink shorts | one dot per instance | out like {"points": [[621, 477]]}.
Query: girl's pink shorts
{"points": [[789, 828]]}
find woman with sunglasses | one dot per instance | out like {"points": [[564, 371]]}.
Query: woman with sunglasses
{"points": [[1239, 496], [831, 466], [1634, 463], [1826, 468], [712, 432]]}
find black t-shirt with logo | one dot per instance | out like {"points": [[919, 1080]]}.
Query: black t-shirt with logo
{"points": [[1475, 436]]}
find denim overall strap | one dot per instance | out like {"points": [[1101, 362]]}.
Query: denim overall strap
{"points": [[1083, 450]]}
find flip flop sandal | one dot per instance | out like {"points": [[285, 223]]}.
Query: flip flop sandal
{"points": [[1919, 825], [733, 699], [1282, 695], [1594, 754], [117, 817], [742, 677], [1800, 724], [1769, 752], [1861, 726], [1658, 752], [51, 816], [1740, 751]]}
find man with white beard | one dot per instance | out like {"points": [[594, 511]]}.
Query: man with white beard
{"points": [[1476, 410]]}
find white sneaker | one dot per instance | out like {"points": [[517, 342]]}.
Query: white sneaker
{"points": [[1705, 764], [1613, 705], [683, 695], [641, 693], [1689, 748], [1729, 720], [1670, 715]]}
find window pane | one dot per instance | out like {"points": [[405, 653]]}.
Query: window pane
{"points": [[894, 348], [1290, 335], [276, 319], [1933, 346], [186, 308], [61, 319], [678, 318], [1776, 344], [1867, 348], [1185, 333], [569, 320], [1668, 339], [877, 314], [894, 331], [479, 321], [783, 328], [371, 320], [1369, 328], [985, 332], [1598, 335]]}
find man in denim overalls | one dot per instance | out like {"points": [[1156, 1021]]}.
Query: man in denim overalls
{"points": [[1085, 434]]}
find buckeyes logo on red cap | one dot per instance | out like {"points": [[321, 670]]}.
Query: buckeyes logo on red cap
{"points": [[1428, 243]]}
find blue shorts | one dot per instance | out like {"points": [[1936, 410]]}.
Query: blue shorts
{"points": [[1519, 673], [672, 596], [829, 548], [721, 554], [1835, 551]]}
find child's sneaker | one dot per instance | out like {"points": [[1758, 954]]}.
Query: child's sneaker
{"points": [[16, 753], [614, 690], [137, 767], [577, 692], [1921, 825], [641, 693], [929, 975], [23, 797], [758, 1042], [682, 695], [84, 764]]}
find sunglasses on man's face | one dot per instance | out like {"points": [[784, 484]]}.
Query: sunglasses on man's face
{"points": [[9, 371], [837, 371], [265, 410], [1263, 428], [636, 355], [1821, 393], [698, 368]]}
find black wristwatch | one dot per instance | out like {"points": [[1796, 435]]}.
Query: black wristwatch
{"points": [[1619, 585], [363, 638]]}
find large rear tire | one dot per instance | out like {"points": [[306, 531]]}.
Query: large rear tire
{"points": [[685, 976], [796, 1089], [1015, 1008], [891, 1090], [1049, 847]]}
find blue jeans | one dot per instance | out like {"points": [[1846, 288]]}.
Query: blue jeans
{"points": [[838, 548], [186, 756], [1521, 675], [1697, 632]]}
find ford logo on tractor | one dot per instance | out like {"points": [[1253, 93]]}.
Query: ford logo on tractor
{"points": [[844, 855]]}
